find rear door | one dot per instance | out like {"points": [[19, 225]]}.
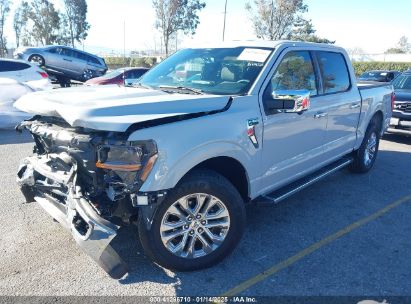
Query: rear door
{"points": [[292, 143], [79, 63], [343, 101], [71, 63], [95, 65]]}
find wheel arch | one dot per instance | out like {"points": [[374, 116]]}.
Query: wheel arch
{"points": [[231, 169], [380, 120]]}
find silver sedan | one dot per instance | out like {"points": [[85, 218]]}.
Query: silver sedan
{"points": [[65, 61]]}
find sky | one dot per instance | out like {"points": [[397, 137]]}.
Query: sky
{"points": [[373, 26]]}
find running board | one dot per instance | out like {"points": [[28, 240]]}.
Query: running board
{"points": [[285, 192]]}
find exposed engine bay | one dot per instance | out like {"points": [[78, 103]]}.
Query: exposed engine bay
{"points": [[88, 181]]}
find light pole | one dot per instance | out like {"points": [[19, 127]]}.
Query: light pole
{"points": [[225, 14], [124, 42]]}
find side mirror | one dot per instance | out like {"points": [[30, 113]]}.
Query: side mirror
{"points": [[290, 101]]}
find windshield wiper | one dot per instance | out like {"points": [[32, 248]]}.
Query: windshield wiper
{"points": [[181, 89]]}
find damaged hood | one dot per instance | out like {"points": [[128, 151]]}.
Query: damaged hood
{"points": [[115, 108]]}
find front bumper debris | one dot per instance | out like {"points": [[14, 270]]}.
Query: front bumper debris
{"points": [[51, 181]]}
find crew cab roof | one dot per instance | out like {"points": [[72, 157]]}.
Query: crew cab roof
{"points": [[265, 44]]}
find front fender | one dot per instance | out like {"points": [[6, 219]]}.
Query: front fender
{"points": [[185, 144], [169, 170]]}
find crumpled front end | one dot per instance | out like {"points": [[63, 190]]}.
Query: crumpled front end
{"points": [[51, 180], [88, 181]]}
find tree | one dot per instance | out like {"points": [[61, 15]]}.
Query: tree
{"points": [[76, 13], [403, 44], [63, 34], [275, 19], [394, 51], [176, 15], [402, 47], [21, 16], [46, 22], [304, 31], [4, 11], [355, 51]]}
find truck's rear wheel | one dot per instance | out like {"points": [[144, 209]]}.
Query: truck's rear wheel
{"points": [[199, 223], [365, 156]]}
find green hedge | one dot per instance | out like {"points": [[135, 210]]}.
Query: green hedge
{"points": [[361, 67], [120, 62]]}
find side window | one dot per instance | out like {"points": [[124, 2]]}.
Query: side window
{"points": [[130, 75], [55, 50], [295, 72], [334, 72], [135, 74], [139, 73], [11, 66], [93, 60], [78, 55], [66, 52]]}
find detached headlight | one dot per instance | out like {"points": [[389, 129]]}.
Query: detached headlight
{"points": [[130, 156]]}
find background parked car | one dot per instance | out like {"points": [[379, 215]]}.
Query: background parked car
{"points": [[26, 73], [401, 115], [10, 91], [65, 61], [380, 76], [121, 76], [18, 78]]}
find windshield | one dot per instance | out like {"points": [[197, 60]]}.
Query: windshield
{"points": [[223, 71], [375, 75], [113, 74], [402, 82]]}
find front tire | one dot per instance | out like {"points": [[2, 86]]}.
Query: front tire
{"points": [[37, 59], [198, 224], [365, 156]]}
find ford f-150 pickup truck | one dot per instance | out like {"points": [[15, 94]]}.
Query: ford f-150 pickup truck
{"points": [[180, 153]]}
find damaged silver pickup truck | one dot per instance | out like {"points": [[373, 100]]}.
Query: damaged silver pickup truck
{"points": [[202, 133]]}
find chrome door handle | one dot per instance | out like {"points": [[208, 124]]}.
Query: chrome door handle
{"points": [[320, 115], [355, 105]]}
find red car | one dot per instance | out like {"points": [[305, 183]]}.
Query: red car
{"points": [[121, 76]]}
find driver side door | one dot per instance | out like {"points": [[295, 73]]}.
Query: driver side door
{"points": [[292, 142]]}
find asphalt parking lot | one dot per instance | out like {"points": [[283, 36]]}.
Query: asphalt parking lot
{"points": [[288, 249]]}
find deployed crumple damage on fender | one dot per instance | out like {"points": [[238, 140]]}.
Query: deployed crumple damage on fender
{"points": [[115, 108], [92, 233]]}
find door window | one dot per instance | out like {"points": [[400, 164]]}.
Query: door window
{"points": [[66, 52], [334, 72], [55, 50], [93, 60], [295, 72]]}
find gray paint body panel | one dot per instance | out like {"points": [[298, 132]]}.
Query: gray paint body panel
{"points": [[290, 145]]}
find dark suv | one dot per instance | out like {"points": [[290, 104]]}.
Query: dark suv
{"points": [[65, 61], [401, 115], [380, 76]]}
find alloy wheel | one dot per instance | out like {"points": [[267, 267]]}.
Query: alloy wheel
{"points": [[37, 60], [195, 225], [88, 74], [370, 149]]}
